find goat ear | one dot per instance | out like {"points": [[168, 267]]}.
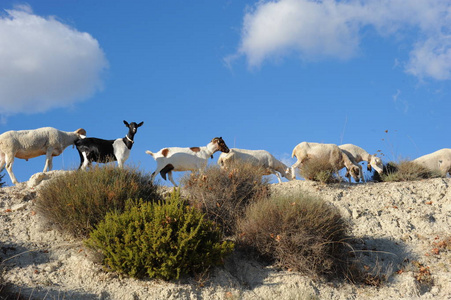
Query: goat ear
{"points": [[140, 124], [126, 123]]}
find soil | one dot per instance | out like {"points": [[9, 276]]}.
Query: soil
{"points": [[402, 229]]}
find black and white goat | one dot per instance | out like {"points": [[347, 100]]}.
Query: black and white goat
{"points": [[103, 151]]}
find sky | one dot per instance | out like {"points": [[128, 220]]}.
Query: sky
{"points": [[261, 74]]}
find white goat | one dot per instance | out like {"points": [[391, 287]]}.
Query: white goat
{"points": [[27, 144], [185, 159], [358, 154], [439, 160], [258, 158], [329, 152]]}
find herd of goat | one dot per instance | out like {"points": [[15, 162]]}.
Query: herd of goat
{"points": [[51, 142]]}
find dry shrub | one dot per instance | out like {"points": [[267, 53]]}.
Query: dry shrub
{"points": [[321, 170], [77, 201], [388, 168], [224, 194], [301, 233], [406, 171]]}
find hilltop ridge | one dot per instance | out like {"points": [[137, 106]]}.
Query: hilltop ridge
{"points": [[401, 229]]}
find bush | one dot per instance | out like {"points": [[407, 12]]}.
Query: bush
{"points": [[302, 233], [162, 240], [387, 169], [224, 194], [76, 202], [319, 170], [405, 171]]}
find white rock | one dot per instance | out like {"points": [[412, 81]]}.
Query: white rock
{"points": [[355, 213], [36, 179], [20, 206]]}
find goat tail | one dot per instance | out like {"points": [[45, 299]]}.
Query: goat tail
{"points": [[150, 153]]}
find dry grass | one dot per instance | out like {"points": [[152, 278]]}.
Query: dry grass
{"points": [[76, 202], [319, 170], [224, 194], [405, 171], [301, 233]]}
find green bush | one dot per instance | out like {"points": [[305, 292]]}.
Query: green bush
{"points": [[77, 201], [301, 233], [224, 194], [406, 171], [162, 240]]}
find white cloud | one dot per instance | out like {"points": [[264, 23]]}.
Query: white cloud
{"points": [[431, 58], [45, 64], [313, 29], [333, 29]]}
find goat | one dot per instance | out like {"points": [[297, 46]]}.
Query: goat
{"points": [[26, 144], [102, 151], [439, 160], [358, 154], [185, 159], [257, 158], [329, 152]]}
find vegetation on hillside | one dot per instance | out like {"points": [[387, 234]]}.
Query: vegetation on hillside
{"points": [[404, 170], [140, 233], [164, 239], [77, 201]]}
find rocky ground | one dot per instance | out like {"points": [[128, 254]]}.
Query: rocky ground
{"points": [[403, 232]]}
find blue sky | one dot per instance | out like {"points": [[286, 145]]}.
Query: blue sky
{"points": [[261, 74]]}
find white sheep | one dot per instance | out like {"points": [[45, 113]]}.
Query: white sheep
{"points": [[258, 158], [26, 144], [329, 152], [439, 160], [358, 154], [185, 159]]}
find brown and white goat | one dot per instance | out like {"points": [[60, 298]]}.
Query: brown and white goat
{"points": [[185, 159]]}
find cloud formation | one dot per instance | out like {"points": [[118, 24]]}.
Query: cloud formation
{"points": [[322, 29], [45, 64]]}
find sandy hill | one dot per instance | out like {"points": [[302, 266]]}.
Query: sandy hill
{"points": [[402, 229]]}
